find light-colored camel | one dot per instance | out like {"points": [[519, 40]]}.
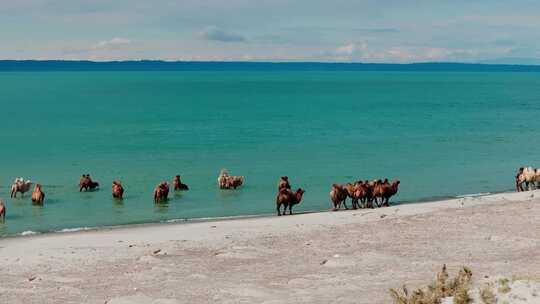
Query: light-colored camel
{"points": [[37, 195], [19, 185], [527, 176], [226, 181], [3, 211]]}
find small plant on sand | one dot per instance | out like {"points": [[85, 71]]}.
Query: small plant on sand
{"points": [[487, 296], [438, 290], [504, 287]]}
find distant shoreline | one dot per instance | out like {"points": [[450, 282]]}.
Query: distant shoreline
{"points": [[158, 65], [180, 221]]}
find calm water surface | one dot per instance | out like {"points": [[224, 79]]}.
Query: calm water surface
{"points": [[442, 134]]}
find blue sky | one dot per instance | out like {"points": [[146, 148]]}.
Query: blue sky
{"points": [[275, 30]]}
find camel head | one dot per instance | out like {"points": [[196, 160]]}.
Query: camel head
{"points": [[395, 185], [285, 178], [299, 193]]}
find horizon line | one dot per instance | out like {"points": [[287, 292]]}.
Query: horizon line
{"points": [[268, 62]]}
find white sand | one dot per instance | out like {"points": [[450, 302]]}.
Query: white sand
{"points": [[329, 257]]}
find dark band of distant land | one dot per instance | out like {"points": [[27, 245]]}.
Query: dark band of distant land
{"points": [[155, 65]]}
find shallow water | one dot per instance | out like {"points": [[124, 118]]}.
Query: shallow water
{"points": [[440, 133]]}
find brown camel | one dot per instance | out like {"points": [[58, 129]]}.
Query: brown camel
{"points": [[338, 194], [283, 183], [287, 198], [117, 190], [377, 192], [87, 183], [20, 186], [384, 191], [360, 194], [369, 195], [161, 193], [178, 184], [3, 211], [38, 196]]}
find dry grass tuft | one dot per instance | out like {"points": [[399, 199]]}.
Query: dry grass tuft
{"points": [[438, 290], [487, 296], [504, 287]]}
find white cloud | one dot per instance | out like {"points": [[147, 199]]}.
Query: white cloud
{"points": [[347, 49], [113, 43], [399, 54]]}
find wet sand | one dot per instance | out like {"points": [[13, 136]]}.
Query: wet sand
{"points": [[329, 257]]}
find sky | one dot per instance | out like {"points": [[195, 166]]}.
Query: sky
{"points": [[393, 31]]}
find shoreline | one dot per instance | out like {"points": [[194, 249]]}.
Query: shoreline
{"points": [[31, 233], [350, 256]]}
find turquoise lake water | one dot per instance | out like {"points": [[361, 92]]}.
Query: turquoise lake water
{"points": [[441, 133]]}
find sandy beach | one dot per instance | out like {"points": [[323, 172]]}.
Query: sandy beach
{"points": [[329, 257]]}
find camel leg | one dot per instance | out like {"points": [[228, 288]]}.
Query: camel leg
{"points": [[290, 209], [345, 204], [278, 208]]}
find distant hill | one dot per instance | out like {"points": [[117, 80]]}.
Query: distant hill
{"points": [[149, 65], [513, 60]]}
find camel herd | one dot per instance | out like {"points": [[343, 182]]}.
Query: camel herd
{"points": [[362, 194]]}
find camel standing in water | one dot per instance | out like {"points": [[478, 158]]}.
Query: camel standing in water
{"points": [[117, 190], [87, 183], [20, 186], [2, 211], [161, 192], [38, 196], [178, 184], [226, 181]]}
